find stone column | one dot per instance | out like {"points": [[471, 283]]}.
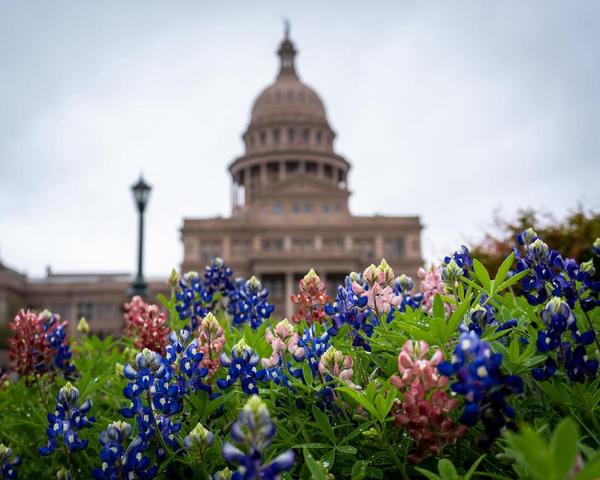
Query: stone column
{"points": [[378, 248], [289, 289]]}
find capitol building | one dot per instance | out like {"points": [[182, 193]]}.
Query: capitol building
{"points": [[290, 212]]}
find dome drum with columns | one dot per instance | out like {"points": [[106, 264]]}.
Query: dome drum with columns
{"points": [[288, 137], [290, 196]]}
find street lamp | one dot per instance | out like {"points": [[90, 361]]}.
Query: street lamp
{"points": [[141, 193]]}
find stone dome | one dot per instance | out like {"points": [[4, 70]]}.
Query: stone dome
{"points": [[288, 98]]}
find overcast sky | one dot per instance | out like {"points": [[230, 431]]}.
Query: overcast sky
{"points": [[448, 110]]}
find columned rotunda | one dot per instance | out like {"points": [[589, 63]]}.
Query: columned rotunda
{"points": [[290, 201]]}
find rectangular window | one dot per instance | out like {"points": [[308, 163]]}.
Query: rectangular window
{"points": [[272, 244], [277, 208], [291, 135], [210, 249], [276, 135], [311, 168], [364, 247], [394, 247], [333, 244], [303, 244], [305, 135]]}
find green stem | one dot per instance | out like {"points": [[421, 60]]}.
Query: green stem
{"points": [[396, 460], [587, 406], [158, 434]]}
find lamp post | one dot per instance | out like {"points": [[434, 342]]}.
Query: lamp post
{"points": [[141, 193]]}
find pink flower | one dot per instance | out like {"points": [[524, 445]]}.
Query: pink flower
{"points": [[146, 324], [335, 363], [425, 405], [432, 284], [283, 337], [379, 292], [211, 339]]}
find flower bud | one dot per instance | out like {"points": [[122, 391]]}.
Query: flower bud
{"points": [[63, 474], [527, 236], [254, 284], [451, 273], [119, 368], [596, 247], [588, 267], [386, 274], [68, 394], [537, 251], [199, 438], [405, 282], [173, 279], [83, 326]]}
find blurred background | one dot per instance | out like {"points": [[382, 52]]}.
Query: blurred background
{"points": [[473, 117]]}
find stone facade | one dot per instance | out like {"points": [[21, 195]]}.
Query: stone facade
{"points": [[289, 199]]}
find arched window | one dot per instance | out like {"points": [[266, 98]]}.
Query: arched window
{"points": [[276, 136]]}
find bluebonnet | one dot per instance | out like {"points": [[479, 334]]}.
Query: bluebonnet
{"points": [[483, 316], [8, 462], [402, 287], [557, 318], [217, 277], [462, 259], [483, 384], [241, 366], [192, 299], [154, 379], [310, 348], [550, 274], [596, 247], [253, 432], [57, 338], [67, 420], [351, 309], [250, 303], [120, 460], [187, 357]]}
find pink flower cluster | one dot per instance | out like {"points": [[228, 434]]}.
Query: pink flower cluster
{"points": [[335, 363], [283, 337], [146, 324], [425, 406], [211, 339], [378, 289], [311, 298], [30, 349], [432, 284]]}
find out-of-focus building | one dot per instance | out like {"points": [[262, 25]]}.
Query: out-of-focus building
{"points": [[98, 297], [290, 213], [289, 194]]}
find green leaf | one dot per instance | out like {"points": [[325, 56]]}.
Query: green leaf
{"points": [[563, 446], [504, 268], [438, 307], [359, 470], [349, 449], [473, 468], [428, 474], [316, 470], [482, 274], [512, 280], [307, 372], [323, 423], [456, 318], [311, 445], [360, 399], [447, 470]]}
